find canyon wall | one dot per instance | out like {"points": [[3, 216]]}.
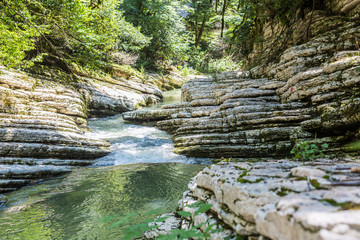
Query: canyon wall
{"points": [[43, 123], [311, 93]]}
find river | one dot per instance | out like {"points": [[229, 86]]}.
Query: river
{"points": [[141, 174]]}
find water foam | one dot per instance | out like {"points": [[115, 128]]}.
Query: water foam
{"points": [[134, 143]]}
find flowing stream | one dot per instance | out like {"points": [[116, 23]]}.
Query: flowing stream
{"points": [[141, 174]]}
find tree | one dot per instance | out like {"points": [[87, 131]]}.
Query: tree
{"points": [[62, 32], [160, 20]]}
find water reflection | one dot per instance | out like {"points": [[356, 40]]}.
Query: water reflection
{"points": [[70, 208]]}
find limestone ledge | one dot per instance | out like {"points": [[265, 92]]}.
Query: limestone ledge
{"points": [[280, 200], [311, 92], [43, 122]]}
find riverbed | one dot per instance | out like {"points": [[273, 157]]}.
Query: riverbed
{"points": [[141, 174]]}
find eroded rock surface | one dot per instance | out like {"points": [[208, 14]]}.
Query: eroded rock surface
{"points": [[312, 91], [43, 123], [266, 199]]}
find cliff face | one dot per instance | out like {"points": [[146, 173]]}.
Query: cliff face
{"points": [[42, 123], [311, 92], [301, 26]]}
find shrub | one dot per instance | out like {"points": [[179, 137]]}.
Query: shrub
{"points": [[222, 64], [124, 58], [307, 151]]}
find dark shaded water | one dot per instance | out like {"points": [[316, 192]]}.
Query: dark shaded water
{"points": [[141, 174]]}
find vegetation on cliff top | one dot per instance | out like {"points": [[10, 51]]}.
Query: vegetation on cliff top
{"points": [[204, 35]]}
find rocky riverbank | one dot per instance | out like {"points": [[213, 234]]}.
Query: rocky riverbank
{"points": [[310, 94], [275, 199], [44, 122]]}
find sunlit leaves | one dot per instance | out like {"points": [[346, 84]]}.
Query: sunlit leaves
{"points": [[70, 30], [162, 22]]}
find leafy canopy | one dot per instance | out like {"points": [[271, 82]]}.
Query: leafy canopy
{"points": [[62, 32]]}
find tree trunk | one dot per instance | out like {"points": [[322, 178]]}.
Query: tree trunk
{"points": [[198, 38], [223, 19]]}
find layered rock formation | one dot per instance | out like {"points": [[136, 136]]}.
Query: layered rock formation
{"points": [[42, 123], [312, 92], [275, 199]]}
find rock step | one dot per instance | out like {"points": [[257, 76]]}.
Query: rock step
{"points": [[22, 104], [19, 172], [279, 199], [109, 98], [42, 123], [252, 136], [280, 148], [11, 149], [315, 52], [18, 135], [5, 184], [41, 115], [320, 85], [41, 127], [39, 161]]}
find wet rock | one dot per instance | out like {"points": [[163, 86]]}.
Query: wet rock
{"points": [[116, 96], [164, 227]]}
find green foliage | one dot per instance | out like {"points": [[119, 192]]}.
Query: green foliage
{"points": [[355, 146], [207, 36], [226, 160], [198, 59], [61, 32], [194, 231], [222, 64], [199, 14], [186, 70], [159, 20], [16, 36], [307, 151]]}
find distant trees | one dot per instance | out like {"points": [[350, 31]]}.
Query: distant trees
{"points": [[89, 33], [161, 21]]}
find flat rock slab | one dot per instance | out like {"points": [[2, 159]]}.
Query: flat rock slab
{"points": [[280, 200]]}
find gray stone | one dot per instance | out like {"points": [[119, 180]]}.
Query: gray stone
{"points": [[265, 199], [43, 122]]}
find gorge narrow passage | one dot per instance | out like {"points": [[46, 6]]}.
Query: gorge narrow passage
{"points": [[136, 143], [147, 176]]}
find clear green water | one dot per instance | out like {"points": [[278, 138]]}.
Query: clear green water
{"points": [[142, 173], [170, 97], [72, 207]]}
